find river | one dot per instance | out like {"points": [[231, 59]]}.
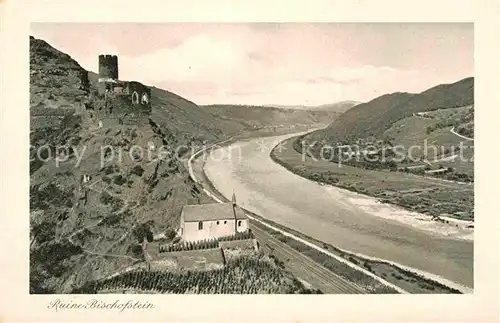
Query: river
{"points": [[333, 215]]}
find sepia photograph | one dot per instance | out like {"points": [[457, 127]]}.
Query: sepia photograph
{"points": [[251, 158]]}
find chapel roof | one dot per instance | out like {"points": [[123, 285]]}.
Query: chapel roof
{"points": [[212, 212]]}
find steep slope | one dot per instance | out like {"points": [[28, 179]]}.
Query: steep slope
{"points": [[58, 85], [188, 121], [104, 176], [375, 117], [92, 196]]}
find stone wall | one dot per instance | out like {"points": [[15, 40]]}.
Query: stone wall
{"points": [[193, 259], [120, 107], [139, 94]]}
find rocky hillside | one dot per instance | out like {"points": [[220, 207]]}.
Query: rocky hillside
{"points": [[374, 117], [58, 85], [180, 118], [93, 197], [99, 186]]}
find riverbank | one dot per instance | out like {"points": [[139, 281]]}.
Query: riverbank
{"points": [[422, 202], [328, 214]]}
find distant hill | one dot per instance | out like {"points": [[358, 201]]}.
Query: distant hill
{"points": [[339, 107], [260, 116], [376, 116]]}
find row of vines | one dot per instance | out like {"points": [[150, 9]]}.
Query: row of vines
{"points": [[244, 275], [186, 246], [205, 244], [238, 236]]}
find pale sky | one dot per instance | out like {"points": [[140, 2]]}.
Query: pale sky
{"points": [[285, 64]]}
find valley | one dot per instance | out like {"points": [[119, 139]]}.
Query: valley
{"points": [[94, 193], [96, 198], [341, 218]]}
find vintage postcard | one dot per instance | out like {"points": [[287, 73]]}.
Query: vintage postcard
{"points": [[216, 158]]}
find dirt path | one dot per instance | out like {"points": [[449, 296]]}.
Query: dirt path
{"points": [[452, 130]]}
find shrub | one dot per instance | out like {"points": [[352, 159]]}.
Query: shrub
{"points": [[170, 233], [110, 169], [44, 232], [187, 246], [143, 231], [137, 170], [106, 198], [119, 180], [49, 257], [353, 260], [51, 195], [110, 219], [136, 251]]}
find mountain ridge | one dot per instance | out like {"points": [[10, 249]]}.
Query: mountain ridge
{"points": [[374, 117]]}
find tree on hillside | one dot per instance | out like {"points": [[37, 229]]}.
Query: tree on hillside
{"points": [[143, 231]]}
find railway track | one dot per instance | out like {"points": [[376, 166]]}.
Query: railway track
{"points": [[304, 267]]}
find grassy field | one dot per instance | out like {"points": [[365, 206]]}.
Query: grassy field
{"points": [[416, 193]]}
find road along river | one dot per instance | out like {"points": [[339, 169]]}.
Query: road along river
{"points": [[339, 217]]}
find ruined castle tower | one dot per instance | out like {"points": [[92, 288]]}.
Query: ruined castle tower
{"points": [[108, 68], [121, 102]]}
